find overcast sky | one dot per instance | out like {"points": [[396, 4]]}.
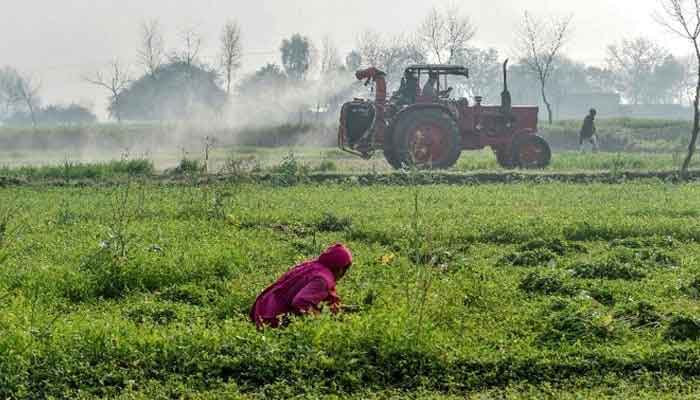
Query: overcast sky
{"points": [[58, 41]]}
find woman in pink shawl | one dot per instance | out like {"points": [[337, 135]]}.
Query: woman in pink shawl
{"points": [[302, 289]]}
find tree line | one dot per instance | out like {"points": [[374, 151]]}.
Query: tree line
{"points": [[177, 84]]}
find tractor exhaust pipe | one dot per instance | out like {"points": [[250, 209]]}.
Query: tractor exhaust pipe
{"points": [[506, 100]]}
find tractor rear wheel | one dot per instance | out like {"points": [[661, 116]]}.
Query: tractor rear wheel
{"points": [[532, 152], [426, 139]]}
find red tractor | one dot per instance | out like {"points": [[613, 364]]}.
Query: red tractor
{"points": [[429, 129]]}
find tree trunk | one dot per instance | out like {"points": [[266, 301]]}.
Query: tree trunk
{"points": [[696, 119], [694, 133], [550, 118], [117, 110], [32, 115]]}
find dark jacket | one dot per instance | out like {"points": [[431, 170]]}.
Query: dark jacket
{"points": [[588, 128]]}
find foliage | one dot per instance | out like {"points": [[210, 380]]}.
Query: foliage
{"points": [[69, 170], [646, 72], [266, 79], [179, 91], [296, 56], [156, 305], [55, 114]]}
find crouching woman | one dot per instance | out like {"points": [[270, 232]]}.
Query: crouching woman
{"points": [[303, 289]]}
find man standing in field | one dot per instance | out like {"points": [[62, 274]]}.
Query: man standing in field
{"points": [[588, 131], [302, 289]]}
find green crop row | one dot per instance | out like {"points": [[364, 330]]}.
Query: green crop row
{"points": [[505, 291]]}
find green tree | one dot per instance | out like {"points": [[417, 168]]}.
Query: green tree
{"points": [[180, 90], [269, 77], [296, 56]]}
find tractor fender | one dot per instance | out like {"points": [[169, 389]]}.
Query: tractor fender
{"points": [[415, 107]]}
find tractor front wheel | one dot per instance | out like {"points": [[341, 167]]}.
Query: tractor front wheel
{"points": [[426, 139], [532, 152]]}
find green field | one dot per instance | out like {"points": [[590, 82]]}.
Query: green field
{"points": [[305, 161], [490, 291], [627, 144]]}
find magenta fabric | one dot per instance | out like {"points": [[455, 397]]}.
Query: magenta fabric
{"points": [[303, 288]]}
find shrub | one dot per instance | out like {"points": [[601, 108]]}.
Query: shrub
{"points": [[327, 166], [579, 321], [642, 243], [547, 284], [152, 312], [529, 258], [682, 328], [607, 269], [189, 293], [332, 223], [602, 296], [692, 289], [625, 264], [188, 167], [290, 171], [556, 246], [641, 315], [239, 166]]}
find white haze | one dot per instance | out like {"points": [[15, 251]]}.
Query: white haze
{"points": [[62, 42]]}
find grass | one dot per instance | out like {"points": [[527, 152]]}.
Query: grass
{"points": [[628, 144], [143, 293], [69, 170], [293, 164]]}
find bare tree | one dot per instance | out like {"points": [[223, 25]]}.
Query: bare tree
{"points": [[459, 30], [399, 51], [634, 62], [432, 33], [231, 51], [27, 91], [6, 104], [19, 92], [682, 17], [445, 35], [151, 53], [115, 82], [539, 44], [370, 45], [330, 60], [191, 46], [392, 54]]}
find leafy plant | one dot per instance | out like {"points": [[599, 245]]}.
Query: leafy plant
{"points": [[332, 223]]}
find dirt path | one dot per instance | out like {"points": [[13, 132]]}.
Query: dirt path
{"points": [[398, 179]]}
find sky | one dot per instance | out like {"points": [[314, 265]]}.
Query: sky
{"points": [[60, 42]]}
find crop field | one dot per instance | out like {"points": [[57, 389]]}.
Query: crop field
{"points": [[141, 291], [627, 144], [237, 161]]}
